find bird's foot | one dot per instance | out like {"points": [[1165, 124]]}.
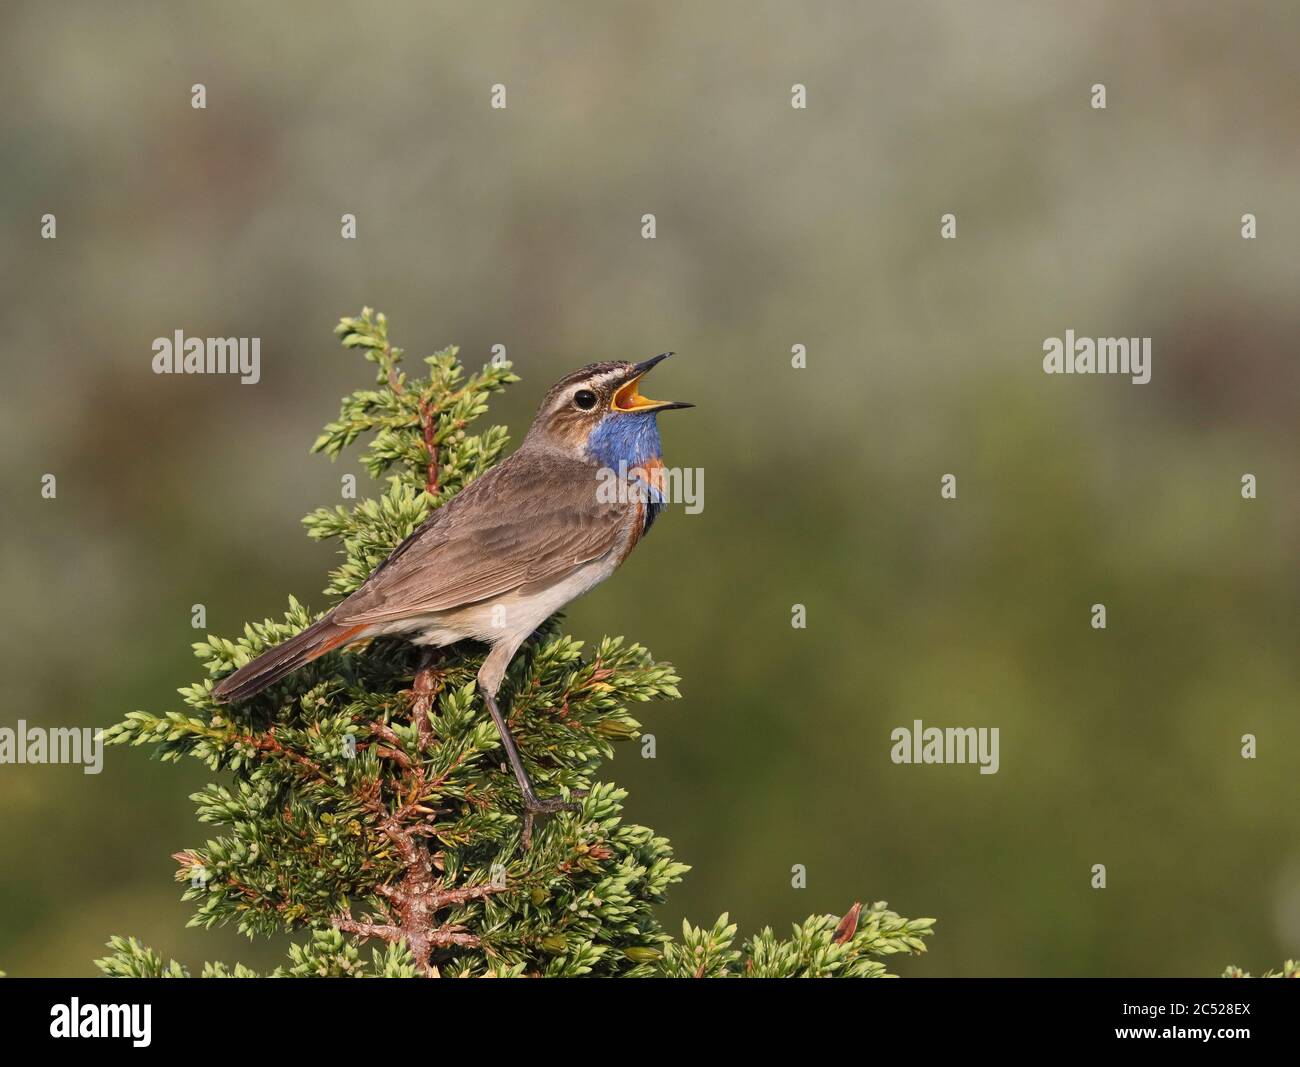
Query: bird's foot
{"points": [[535, 805]]}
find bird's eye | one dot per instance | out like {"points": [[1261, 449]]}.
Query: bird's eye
{"points": [[585, 399]]}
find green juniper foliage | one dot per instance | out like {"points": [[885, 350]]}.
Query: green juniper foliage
{"points": [[365, 798], [1290, 969]]}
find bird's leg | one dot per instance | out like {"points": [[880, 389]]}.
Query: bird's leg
{"points": [[533, 804]]}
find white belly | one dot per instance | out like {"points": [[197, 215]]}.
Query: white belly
{"points": [[511, 616]]}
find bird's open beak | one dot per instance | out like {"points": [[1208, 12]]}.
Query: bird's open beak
{"points": [[629, 398]]}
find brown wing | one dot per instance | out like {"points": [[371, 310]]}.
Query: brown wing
{"points": [[534, 517]]}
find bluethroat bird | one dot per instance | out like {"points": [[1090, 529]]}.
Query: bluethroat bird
{"points": [[512, 547]]}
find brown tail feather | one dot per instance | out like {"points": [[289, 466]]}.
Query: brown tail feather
{"points": [[272, 665]]}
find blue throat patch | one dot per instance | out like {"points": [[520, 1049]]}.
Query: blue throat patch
{"points": [[626, 440], [626, 437]]}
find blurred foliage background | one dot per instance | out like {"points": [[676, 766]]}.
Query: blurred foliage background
{"points": [[775, 227]]}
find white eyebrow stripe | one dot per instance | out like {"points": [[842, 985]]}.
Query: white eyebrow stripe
{"points": [[600, 381]]}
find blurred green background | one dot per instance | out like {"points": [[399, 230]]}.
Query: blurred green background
{"points": [[776, 227]]}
